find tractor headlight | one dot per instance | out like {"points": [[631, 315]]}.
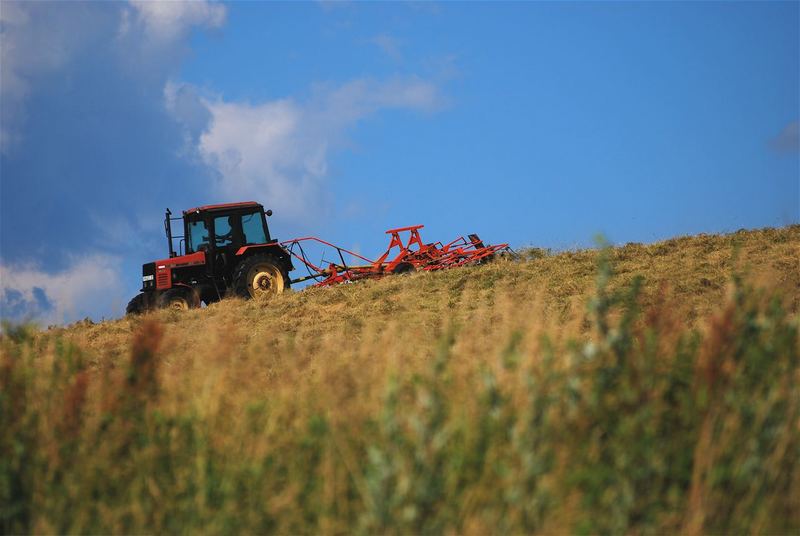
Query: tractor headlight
{"points": [[147, 278]]}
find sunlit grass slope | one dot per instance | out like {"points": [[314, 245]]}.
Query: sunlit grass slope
{"points": [[647, 388]]}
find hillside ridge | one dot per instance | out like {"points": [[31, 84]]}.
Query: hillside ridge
{"points": [[696, 269]]}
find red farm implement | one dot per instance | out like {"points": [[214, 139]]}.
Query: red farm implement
{"points": [[407, 252]]}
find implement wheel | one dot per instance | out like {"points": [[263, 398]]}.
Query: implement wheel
{"points": [[404, 268], [260, 277]]}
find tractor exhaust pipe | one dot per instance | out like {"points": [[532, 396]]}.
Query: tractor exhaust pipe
{"points": [[168, 229]]}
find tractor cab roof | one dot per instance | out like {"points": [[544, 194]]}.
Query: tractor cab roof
{"points": [[223, 207]]}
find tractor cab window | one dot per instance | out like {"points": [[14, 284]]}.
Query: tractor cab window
{"points": [[239, 230], [198, 236], [228, 231], [253, 227]]}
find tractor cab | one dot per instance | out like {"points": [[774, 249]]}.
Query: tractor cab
{"points": [[220, 231], [224, 249]]}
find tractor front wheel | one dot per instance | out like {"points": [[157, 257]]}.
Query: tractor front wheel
{"points": [[260, 277], [178, 299], [137, 305]]}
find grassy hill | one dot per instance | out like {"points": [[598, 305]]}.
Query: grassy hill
{"points": [[644, 388]]}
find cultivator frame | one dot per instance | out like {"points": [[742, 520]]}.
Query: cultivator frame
{"points": [[413, 254]]}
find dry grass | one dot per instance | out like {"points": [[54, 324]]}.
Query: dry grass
{"points": [[693, 271], [534, 396]]}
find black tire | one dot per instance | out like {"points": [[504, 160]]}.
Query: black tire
{"points": [[178, 298], [207, 294], [260, 277], [404, 268], [137, 305]]}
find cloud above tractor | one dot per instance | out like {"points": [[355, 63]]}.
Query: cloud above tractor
{"points": [[38, 39], [280, 149]]}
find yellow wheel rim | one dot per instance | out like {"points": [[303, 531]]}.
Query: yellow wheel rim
{"points": [[179, 304], [265, 281]]}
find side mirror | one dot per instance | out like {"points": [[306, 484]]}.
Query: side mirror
{"points": [[268, 212]]}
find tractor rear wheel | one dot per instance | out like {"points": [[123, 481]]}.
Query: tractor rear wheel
{"points": [[178, 299], [260, 277]]}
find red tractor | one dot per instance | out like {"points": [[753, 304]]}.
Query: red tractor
{"points": [[224, 249]]}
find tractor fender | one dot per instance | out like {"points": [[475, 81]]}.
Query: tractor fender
{"points": [[273, 248], [184, 285]]}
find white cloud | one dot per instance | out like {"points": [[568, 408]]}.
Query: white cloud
{"points": [[89, 284], [389, 45], [788, 140], [40, 38], [35, 38], [12, 18], [279, 150], [167, 21]]}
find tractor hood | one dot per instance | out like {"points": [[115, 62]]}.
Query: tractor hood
{"points": [[164, 267], [191, 259]]}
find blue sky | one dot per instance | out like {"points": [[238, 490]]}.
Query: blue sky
{"points": [[531, 123]]}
